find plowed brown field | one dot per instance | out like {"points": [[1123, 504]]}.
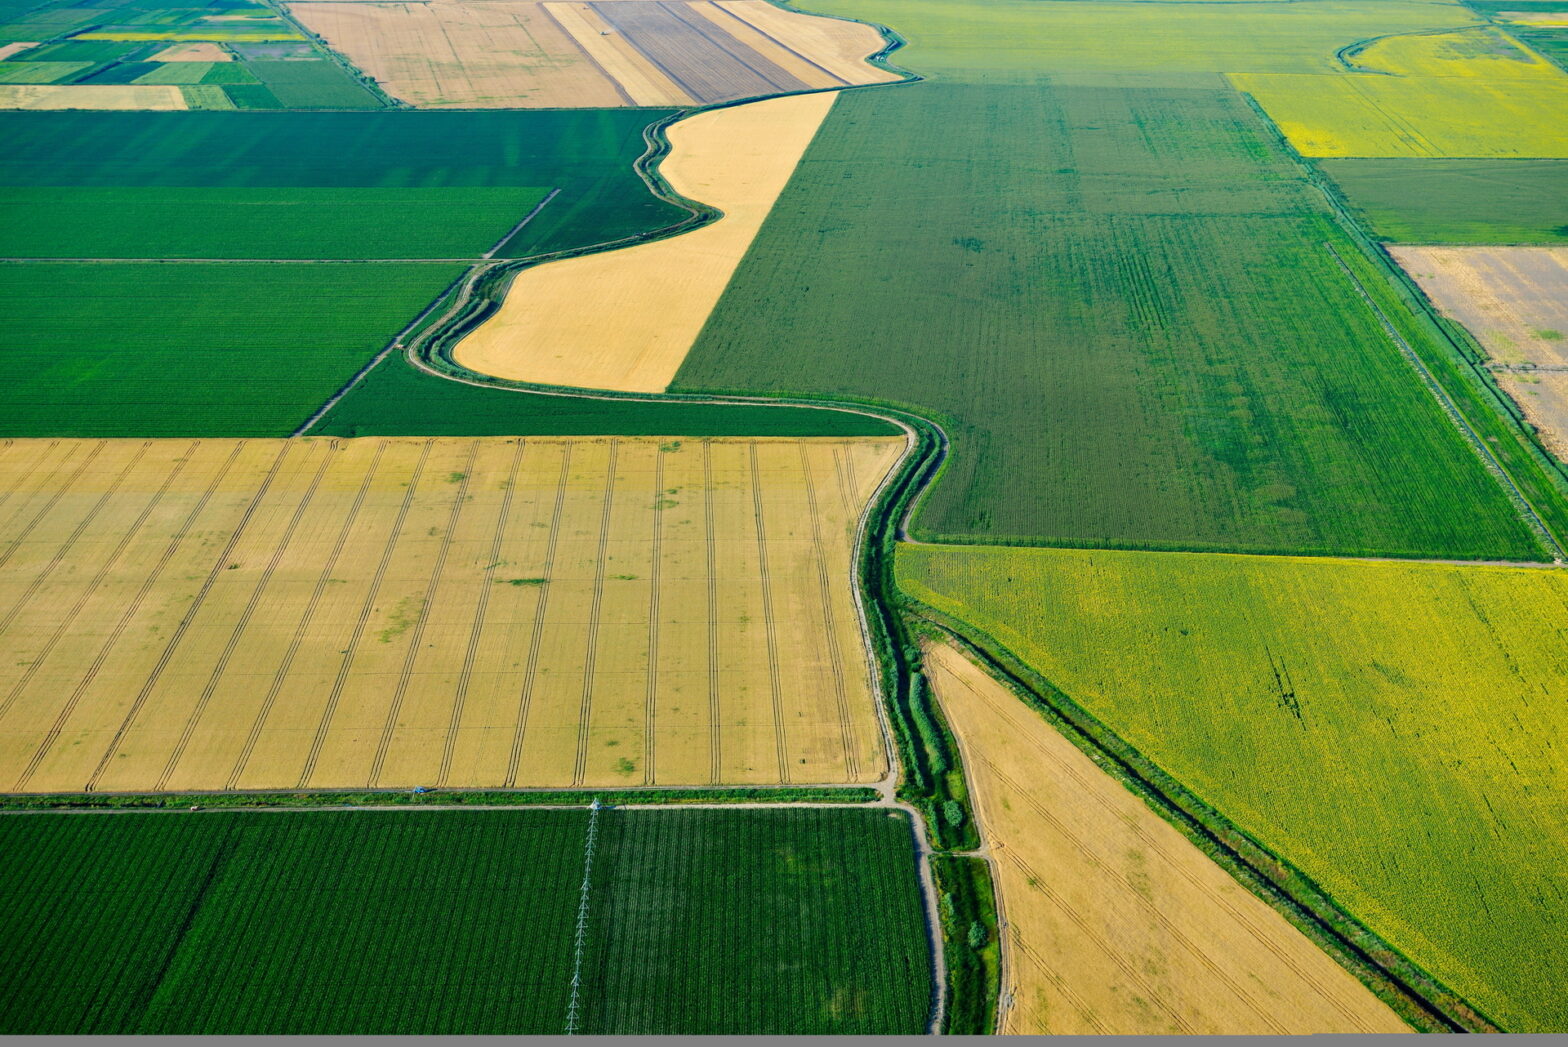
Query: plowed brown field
{"points": [[1114, 923], [271, 614]]}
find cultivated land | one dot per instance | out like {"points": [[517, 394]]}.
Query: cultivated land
{"points": [[1115, 922], [626, 319], [1458, 201], [761, 921], [512, 54], [1515, 301], [1391, 729], [1098, 385], [212, 614], [168, 54]]}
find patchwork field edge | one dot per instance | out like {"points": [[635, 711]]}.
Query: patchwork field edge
{"points": [[1418, 998]]}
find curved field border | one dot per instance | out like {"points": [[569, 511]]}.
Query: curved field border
{"points": [[931, 784]]}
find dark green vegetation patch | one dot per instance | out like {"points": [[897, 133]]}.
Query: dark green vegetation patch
{"points": [[760, 921], [398, 400], [313, 85], [1457, 201], [1114, 302]]}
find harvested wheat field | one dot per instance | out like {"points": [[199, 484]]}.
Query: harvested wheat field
{"points": [[281, 614], [1114, 923], [626, 319], [515, 54], [90, 96], [198, 52], [1514, 300]]}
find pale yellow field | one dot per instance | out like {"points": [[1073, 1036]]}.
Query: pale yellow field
{"points": [[528, 54], [90, 96], [199, 52], [1479, 52], [626, 319], [835, 46], [1113, 922], [1514, 300], [1542, 19], [274, 614], [15, 48]]}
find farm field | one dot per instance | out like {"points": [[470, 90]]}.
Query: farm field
{"points": [[322, 922], [169, 55], [1388, 728], [263, 615], [1458, 201], [1098, 387], [1514, 300], [626, 319], [511, 53], [1117, 923]]}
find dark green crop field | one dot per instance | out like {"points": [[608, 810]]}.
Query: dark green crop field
{"points": [[1457, 201], [395, 399], [588, 155], [803, 921], [193, 349], [1123, 307]]}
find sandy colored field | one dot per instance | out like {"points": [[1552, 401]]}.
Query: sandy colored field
{"points": [[1114, 922], [626, 319], [836, 46], [14, 48], [90, 96], [1541, 19], [528, 54], [271, 614], [1515, 301], [200, 52]]}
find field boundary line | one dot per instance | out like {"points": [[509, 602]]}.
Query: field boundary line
{"points": [[219, 565], [476, 631], [775, 686], [352, 649], [529, 217], [1525, 511], [107, 647], [536, 638], [232, 644], [596, 602], [418, 632]]}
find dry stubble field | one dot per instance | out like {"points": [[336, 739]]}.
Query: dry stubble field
{"points": [[1514, 300], [1115, 922], [526, 54], [275, 614]]}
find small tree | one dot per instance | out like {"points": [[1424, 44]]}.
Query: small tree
{"points": [[978, 935]]}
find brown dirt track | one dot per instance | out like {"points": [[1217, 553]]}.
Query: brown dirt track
{"points": [[270, 614], [1114, 923]]}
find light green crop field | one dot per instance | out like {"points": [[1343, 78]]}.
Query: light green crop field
{"points": [[1458, 201], [1394, 730]]}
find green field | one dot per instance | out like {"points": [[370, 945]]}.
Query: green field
{"points": [[1393, 730], [743, 921], [395, 399], [313, 85], [1458, 201], [153, 349], [1114, 300]]}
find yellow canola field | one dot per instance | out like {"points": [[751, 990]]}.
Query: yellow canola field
{"points": [[1113, 921], [626, 319], [1479, 52], [91, 96], [289, 614]]}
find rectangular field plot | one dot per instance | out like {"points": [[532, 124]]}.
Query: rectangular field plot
{"points": [[1116, 923], [516, 53], [334, 922], [1392, 730], [213, 614], [1458, 201]]}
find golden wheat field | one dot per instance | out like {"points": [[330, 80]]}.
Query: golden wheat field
{"points": [[280, 614], [1114, 923]]}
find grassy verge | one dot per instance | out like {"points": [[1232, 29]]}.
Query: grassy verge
{"points": [[966, 902], [432, 798]]}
